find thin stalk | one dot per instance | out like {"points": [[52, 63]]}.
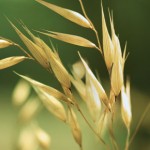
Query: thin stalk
{"points": [[80, 111], [15, 44], [127, 139], [139, 123], [111, 131], [92, 25], [90, 126], [97, 37]]}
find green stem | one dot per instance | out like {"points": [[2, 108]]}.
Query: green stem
{"points": [[114, 141], [15, 44], [127, 139], [139, 123]]}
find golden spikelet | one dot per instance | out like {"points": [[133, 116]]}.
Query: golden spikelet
{"points": [[35, 50], [108, 48], [117, 77], [47, 89], [5, 43], [53, 105], [59, 70], [11, 61], [92, 100], [68, 14], [126, 105], [102, 124], [71, 39], [96, 83]]}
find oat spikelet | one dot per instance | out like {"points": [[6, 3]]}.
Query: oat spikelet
{"points": [[53, 105], [102, 124], [108, 47], [92, 100], [117, 69], [11, 61], [35, 50], [29, 110], [20, 92], [47, 89], [126, 105], [59, 70], [69, 38], [80, 87], [68, 14], [75, 126], [43, 138], [39, 42], [4, 43], [96, 83], [116, 42], [117, 77]]}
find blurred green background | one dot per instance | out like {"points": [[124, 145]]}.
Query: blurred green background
{"points": [[132, 24]]}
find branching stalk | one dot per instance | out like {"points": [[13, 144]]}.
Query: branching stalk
{"points": [[92, 25], [90, 126], [15, 44]]}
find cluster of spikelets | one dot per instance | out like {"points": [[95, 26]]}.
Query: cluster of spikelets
{"points": [[99, 103]]}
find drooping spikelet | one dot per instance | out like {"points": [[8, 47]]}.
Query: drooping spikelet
{"points": [[53, 105], [68, 14], [69, 38], [92, 100], [96, 83], [11, 61], [5, 43]]}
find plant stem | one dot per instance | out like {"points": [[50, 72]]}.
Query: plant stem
{"points": [[100, 139], [92, 25], [97, 37], [139, 123], [15, 44], [127, 139], [114, 141]]}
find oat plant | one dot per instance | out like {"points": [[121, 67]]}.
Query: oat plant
{"points": [[100, 104]]}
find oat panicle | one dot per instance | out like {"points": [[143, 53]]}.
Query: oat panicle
{"points": [[64, 103]]}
